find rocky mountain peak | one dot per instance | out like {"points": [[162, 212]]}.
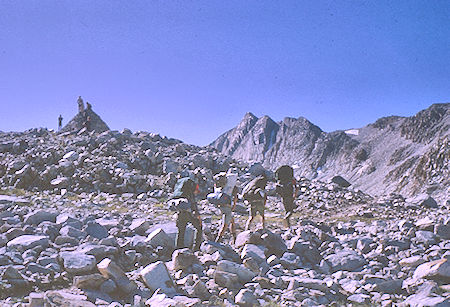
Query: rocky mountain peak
{"points": [[86, 120], [249, 116], [427, 124], [379, 158]]}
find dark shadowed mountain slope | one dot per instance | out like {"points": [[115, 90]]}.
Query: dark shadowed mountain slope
{"points": [[406, 155]]}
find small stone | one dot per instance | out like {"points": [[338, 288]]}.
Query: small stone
{"points": [[246, 298], [225, 279], [254, 251], [62, 298], [93, 281], [413, 261], [96, 230], [36, 299], [183, 258]]}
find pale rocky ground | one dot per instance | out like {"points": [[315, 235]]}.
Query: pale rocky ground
{"points": [[346, 248]]}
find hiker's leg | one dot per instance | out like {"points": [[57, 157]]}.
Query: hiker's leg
{"points": [[181, 225], [199, 233], [233, 230], [249, 221], [288, 202], [253, 212], [221, 231]]}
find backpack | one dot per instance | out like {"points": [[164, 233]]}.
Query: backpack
{"points": [[184, 188], [181, 204], [252, 191], [284, 189], [284, 174], [219, 198]]}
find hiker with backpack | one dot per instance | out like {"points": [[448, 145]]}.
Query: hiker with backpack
{"points": [[255, 195], [225, 197], [187, 210], [287, 188]]}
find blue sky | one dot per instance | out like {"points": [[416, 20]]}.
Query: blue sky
{"points": [[192, 69]]}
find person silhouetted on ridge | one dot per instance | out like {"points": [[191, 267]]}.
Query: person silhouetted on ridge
{"points": [[60, 119], [80, 104]]}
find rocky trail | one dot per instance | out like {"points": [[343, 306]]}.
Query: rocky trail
{"points": [[103, 249]]}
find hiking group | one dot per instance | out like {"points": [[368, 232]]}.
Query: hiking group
{"points": [[225, 197]]}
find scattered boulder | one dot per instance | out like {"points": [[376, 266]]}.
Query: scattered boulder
{"points": [[246, 298], [345, 260], [438, 270], [340, 181], [111, 270], [77, 263], [26, 242], [156, 276], [183, 259]]}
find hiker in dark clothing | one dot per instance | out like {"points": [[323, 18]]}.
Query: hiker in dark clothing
{"points": [[87, 123], [255, 196], [187, 211], [287, 188], [88, 106], [80, 104], [60, 119]]}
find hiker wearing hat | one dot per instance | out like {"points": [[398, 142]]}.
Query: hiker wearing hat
{"points": [[225, 197]]}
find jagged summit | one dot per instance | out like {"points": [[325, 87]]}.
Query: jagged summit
{"points": [[394, 154], [85, 119]]}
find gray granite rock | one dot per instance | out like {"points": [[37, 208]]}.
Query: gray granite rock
{"points": [[77, 263], [345, 260]]}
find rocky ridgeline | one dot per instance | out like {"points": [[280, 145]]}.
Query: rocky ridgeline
{"points": [[112, 161], [102, 249], [406, 155]]}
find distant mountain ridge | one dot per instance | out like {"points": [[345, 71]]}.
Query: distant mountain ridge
{"points": [[406, 155]]}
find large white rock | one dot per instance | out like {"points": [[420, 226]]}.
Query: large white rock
{"points": [[159, 238], [244, 274], [254, 251], [111, 270], [77, 263], [156, 276], [171, 230], [434, 269], [62, 298], [139, 226], [37, 217], [159, 299], [28, 241], [345, 260], [71, 156], [246, 298], [226, 279], [183, 258], [412, 261]]}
